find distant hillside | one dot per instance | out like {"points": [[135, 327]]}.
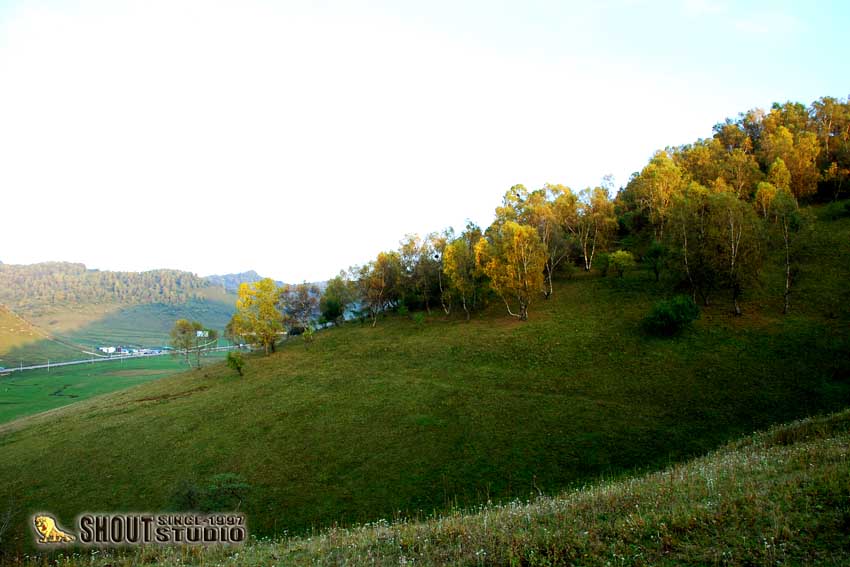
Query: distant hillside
{"points": [[34, 286], [59, 311], [231, 282]]}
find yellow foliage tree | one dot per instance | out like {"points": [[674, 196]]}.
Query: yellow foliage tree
{"points": [[257, 315], [513, 257], [799, 155]]}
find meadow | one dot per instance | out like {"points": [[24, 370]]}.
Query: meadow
{"points": [[34, 391], [777, 497]]}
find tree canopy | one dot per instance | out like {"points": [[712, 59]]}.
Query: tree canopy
{"points": [[699, 213]]}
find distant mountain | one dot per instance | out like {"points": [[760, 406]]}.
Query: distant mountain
{"points": [[231, 282]]}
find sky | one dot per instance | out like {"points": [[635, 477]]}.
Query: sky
{"points": [[300, 138]]}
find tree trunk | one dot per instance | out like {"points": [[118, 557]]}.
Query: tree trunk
{"points": [[787, 296], [447, 308], [511, 313], [548, 293], [736, 292], [465, 308]]}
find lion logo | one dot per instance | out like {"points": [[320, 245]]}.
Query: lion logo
{"points": [[48, 530]]}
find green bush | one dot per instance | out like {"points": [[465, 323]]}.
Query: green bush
{"points": [[419, 318], [655, 257], [403, 310], [672, 316], [621, 261], [835, 210], [236, 361], [309, 335], [223, 492]]}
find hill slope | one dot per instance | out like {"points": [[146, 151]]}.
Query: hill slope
{"points": [[778, 497], [407, 418], [15, 332]]}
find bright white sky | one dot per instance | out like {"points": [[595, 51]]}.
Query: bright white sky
{"points": [[298, 138]]}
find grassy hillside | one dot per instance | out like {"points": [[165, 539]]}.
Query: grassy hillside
{"points": [[781, 497], [150, 325], [15, 332], [405, 419], [24, 343]]}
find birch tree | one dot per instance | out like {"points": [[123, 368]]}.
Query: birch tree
{"points": [[656, 187], [378, 283], [512, 256], [542, 214], [595, 223], [735, 243], [791, 223], [461, 268]]}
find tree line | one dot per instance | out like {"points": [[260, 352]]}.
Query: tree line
{"points": [[51, 283], [702, 214]]}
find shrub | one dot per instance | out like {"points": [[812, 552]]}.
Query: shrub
{"points": [[672, 316], [621, 261], [403, 310], [225, 492], [222, 493], [835, 210], [236, 361], [419, 318], [654, 258], [309, 334]]}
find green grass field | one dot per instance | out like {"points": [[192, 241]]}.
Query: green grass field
{"points": [[34, 391], [779, 497], [405, 419]]}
